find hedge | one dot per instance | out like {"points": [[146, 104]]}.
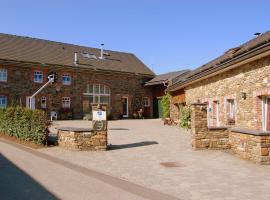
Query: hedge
{"points": [[24, 124]]}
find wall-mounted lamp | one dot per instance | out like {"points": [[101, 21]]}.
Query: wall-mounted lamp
{"points": [[243, 95], [57, 88]]}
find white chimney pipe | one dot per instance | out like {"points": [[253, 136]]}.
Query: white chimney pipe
{"points": [[101, 51], [76, 58]]}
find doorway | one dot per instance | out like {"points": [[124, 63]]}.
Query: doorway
{"points": [[125, 106], [28, 102], [160, 109]]}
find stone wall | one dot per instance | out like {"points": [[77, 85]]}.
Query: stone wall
{"points": [[251, 79], [82, 139], [204, 137], [20, 84], [247, 144], [250, 147]]}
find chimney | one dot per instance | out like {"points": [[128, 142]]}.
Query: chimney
{"points": [[101, 52], [75, 58]]}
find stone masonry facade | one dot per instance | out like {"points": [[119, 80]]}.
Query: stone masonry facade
{"points": [[253, 146], [20, 84], [246, 85], [204, 137]]}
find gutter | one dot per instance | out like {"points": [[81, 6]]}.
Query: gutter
{"points": [[82, 66], [232, 63]]}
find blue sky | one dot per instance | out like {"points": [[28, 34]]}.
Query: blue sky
{"points": [[167, 35]]}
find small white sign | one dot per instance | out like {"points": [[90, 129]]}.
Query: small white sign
{"points": [[99, 115]]}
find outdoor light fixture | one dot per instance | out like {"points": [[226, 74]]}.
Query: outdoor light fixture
{"points": [[243, 95], [58, 88]]}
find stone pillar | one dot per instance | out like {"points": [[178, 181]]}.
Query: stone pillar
{"points": [[100, 124], [199, 127]]}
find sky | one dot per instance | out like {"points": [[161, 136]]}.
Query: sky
{"points": [[167, 35]]}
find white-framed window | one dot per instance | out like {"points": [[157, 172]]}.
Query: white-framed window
{"points": [[231, 107], [146, 101], [98, 93], [43, 102], [3, 101], [216, 113], [3, 75], [65, 102], [38, 76], [265, 113], [66, 79]]}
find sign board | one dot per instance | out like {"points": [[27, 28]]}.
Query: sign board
{"points": [[99, 115]]}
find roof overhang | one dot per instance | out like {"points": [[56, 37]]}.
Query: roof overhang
{"points": [[242, 59]]}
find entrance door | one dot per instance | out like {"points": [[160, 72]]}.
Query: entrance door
{"points": [[125, 106], [160, 110], [28, 102]]}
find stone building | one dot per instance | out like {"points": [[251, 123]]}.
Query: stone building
{"points": [[236, 86], [234, 91], [85, 77], [159, 86]]}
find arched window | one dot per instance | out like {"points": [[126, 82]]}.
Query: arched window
{"points": [[96, 94]]}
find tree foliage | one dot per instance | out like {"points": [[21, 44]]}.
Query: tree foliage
{"points": [[165, 102], [184, 116]]}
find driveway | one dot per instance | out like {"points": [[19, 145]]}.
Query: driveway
{"points": [[160, 157]]}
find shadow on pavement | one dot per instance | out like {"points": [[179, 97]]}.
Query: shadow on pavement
{"points": [[16, 184], [131, 145]]}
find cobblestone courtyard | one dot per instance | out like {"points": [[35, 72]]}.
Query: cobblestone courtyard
{"points": [[160, 157]]}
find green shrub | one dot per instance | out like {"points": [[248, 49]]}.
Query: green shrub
{"points": [[24, 124], [165, 102], [184, 117]]}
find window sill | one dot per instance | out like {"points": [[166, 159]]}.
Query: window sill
{"points": [[250, 131]]}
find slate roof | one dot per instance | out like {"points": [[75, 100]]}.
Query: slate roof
{"points": [[160, 79], [26, 49], [233, 55]]}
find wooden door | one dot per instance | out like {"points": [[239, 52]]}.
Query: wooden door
{"points": [[125, 106], [160, 110]]}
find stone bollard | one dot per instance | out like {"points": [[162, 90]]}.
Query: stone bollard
{"points": [[100, 124]]}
